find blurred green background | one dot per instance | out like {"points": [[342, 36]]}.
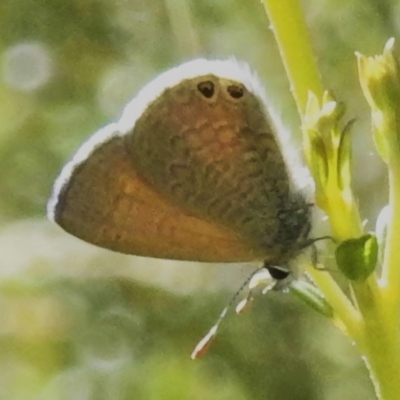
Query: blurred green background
{"points": [[78, 322]]}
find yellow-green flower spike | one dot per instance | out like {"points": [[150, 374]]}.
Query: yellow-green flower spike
{"points": [[328, 155], [380, 83]]}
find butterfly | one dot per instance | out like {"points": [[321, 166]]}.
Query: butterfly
{"points": [[193, 170]]}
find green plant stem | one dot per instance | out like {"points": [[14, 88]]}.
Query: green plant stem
{"points": [[391, 270], [376, 335], [289, 28], [380, 342], [349, 316], [344, 219], [287, 23]]}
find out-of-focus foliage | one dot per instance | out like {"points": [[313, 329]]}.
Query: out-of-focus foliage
{"points": [[78, 322]]}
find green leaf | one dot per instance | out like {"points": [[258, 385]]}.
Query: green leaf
{"points": [[317, 158], [356, 258], [311, 296], [344, 158]]}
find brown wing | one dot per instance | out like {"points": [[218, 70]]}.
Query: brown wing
{"points": [[106, 203]]}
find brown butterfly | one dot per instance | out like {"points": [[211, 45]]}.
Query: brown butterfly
{"points": [[193, 170]]}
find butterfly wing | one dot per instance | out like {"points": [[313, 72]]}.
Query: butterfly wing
{"points": [[102, 200]]}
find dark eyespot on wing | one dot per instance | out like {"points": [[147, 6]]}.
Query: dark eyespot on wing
{"points": [[236, 91], [206, 88]]}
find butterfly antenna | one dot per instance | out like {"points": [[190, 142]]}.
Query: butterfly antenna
{"points": [[205, 343]]}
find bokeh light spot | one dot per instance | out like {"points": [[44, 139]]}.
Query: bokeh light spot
{"points": [[26, 66]]}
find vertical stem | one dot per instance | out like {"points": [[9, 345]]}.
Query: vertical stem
{"points": [[377, 333], [290, 32], [381, 337], [391, 267], [344, 309]]}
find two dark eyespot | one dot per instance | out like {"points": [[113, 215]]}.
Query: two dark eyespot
{"points": [[207, 89]]}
